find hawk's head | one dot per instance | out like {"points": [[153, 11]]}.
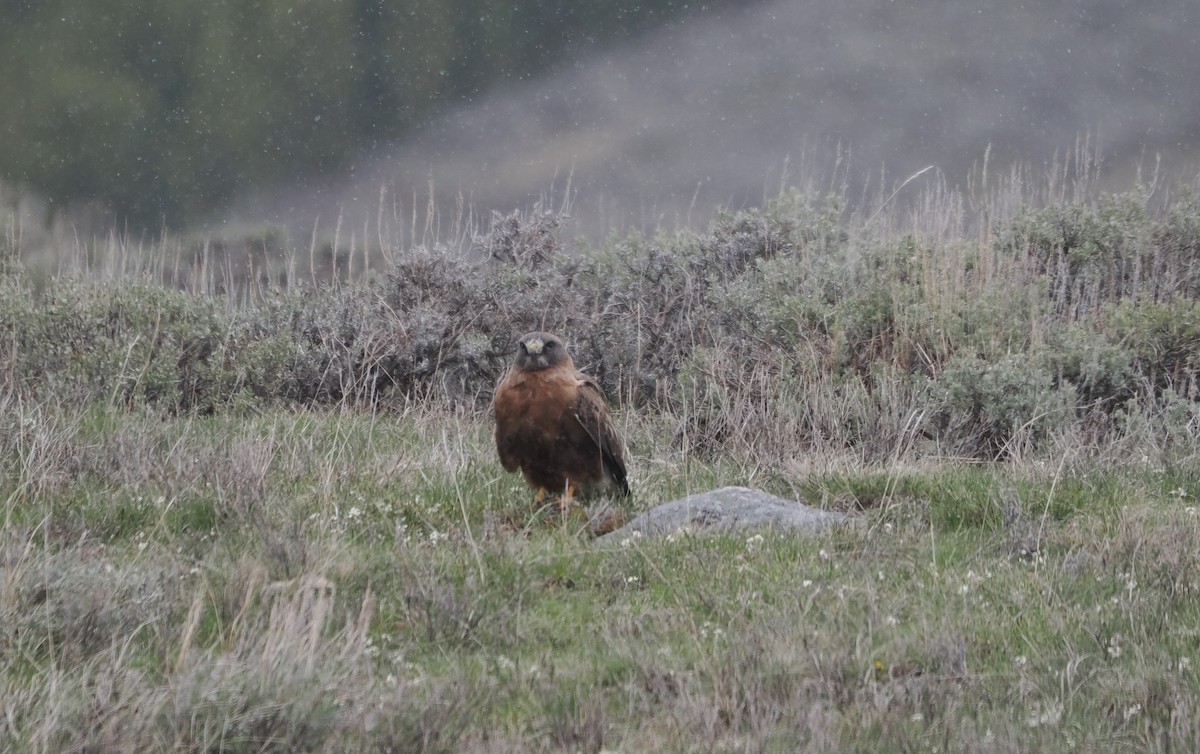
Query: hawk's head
{"points": [[541, 350]]}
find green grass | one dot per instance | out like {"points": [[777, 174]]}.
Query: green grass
{"points": [[324, 580]]}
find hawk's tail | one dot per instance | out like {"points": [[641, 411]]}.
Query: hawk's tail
{"points": [[616, 471]]}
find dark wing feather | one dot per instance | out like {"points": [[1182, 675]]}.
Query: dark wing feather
{"points": [[591, 411]]}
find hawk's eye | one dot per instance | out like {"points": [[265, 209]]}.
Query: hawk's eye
{"points": [[550, 346]]}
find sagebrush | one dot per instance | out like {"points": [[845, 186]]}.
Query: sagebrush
{"points": [[792, 326]]}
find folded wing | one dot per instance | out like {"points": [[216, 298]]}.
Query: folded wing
{"points": [[591, 411]]}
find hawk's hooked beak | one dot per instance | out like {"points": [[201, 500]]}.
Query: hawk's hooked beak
{"points": [[534, 346]]}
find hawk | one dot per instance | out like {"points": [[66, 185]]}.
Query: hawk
{"points": [[553, 423]]}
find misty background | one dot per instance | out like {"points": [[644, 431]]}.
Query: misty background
{"points": [[223, 121]]}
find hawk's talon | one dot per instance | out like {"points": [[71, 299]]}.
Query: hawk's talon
{"points": [[567, 499]]}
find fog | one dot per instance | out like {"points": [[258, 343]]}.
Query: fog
{"points": [[724, 108]]}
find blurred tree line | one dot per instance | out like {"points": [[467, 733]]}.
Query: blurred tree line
{"points": [[162, 109]]}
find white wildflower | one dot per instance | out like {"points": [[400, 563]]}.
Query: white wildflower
{"points": [[1114, 646], [1048, 715], [708, 630]]}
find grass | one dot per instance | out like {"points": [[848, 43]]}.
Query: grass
{"points": [[271, 518], [323, 580]]}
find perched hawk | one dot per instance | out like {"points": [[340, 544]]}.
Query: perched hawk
{"points": [[552, 423]]}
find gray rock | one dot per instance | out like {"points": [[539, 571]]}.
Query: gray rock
{"points": [[723, 510]]}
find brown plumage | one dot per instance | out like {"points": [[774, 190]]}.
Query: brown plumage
{"points": [[553, 423]]}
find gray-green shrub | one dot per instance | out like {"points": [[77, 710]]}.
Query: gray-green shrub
{"points": [[787, 327]]}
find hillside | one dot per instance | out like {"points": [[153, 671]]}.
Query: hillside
{"points": [[724, 108]]}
